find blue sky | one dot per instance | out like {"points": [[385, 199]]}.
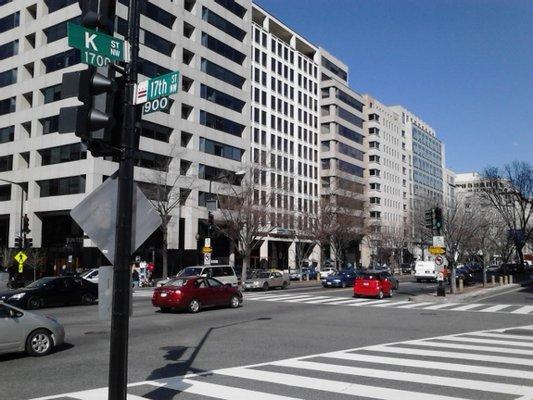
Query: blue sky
{"points": [[463, 66]]}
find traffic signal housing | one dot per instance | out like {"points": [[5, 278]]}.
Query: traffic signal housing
{"points": [[18, 242], [26, 224], [429, 217], [438, 220], [28, 242]]}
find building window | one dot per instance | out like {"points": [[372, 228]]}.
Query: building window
{"points": [[9, 22], [155, 131], [348, 116], [8, 77], [7, 106], [61, 60], [221, 98], [222, 48], [58, 31], [9, 49], [352, 135], [153, 161], [50, 124], [350, 151], [6, 163], [350, 168], [62, 186], [51, 93], [222, 124], [346, 98], [220, 149], [54, 5], [212, 173], [221, 73], [232, 6], [7, 134], [149, 69], [158, 43], [62, 154], [222, 24], [5, 192]]}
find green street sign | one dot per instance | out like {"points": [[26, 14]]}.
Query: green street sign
{"points": [[160, 104], [161, 86], [97, 48]]}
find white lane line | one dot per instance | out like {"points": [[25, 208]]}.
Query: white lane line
{"points": [[495, 308], [504, 336], [301, 296], [393, 303], [302, 299], [493, 349], [523, 310], [274, 296], [347, 301], [467, 307], [407, 362], [332, 386], [486, 341], [410, 377], [413, 305], [439, 306], [321, 300], [448, 354], [220, 391]]}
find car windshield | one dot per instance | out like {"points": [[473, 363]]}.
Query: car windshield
{"points": [[370, 276], [176, 282], [259, 275], [40, 282], [191, 271]]}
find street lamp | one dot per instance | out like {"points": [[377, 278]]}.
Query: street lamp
{"points": [[23, 191]]}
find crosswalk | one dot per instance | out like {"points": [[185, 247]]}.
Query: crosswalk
{"points": [[490, 364], [309, 298]]}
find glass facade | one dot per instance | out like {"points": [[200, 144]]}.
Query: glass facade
{"points": [[222, 48], [221, 124], [222, 24], [220, 149], [62, 186], [62, 154], [221, 98], [8, 77], [221, 73]]}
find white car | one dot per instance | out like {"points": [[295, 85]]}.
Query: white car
{"points": [[327, 272], [91, 275]]}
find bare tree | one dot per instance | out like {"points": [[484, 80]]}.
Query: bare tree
{"points": [[510, 192], [166, 186], [35, 260], [7, 256], [244, 213]]}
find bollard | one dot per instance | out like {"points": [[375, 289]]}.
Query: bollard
{"points": [[493, 280], [505, 280], [460, 285], [501, 280], [510, 279]]}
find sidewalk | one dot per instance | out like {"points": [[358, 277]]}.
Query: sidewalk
{"points": [[475, 292]]}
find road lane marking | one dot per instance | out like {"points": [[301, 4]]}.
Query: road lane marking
{"points": [[415, 305], [493, 349], [485, 341], [523, 310], [495, 308], [467, 307], [441, 305]]}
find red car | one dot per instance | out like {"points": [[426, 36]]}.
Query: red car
{"points": [[373, 283], [195, 293]]}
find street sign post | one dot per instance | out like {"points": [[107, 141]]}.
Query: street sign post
{"points": [[96, 48], [439, 260], [437, 250], [154, 88]]}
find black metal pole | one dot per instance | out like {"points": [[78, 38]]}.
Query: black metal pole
{"points": [[118, 357]]}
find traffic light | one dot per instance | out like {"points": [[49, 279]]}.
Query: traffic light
{"points": [[28, 242], [429, 218], [439, 221], [26, 224], [18, 242]]}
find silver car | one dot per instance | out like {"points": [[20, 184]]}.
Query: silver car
{"points": [[22, 330], [266, 279]]}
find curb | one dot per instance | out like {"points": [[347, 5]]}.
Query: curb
{"points": [[476, 294]]}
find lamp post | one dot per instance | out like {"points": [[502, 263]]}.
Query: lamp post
{"points": [[23, 192]]}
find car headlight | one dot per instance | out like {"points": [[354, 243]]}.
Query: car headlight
{"points": [[256, 282], [17, 296], [336, 280]]}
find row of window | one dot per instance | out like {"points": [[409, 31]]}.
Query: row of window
{"points": [[220, 123], [221, 98], [222, 73], [9, 22], [222, 48], [220, 149], [222, 24]]}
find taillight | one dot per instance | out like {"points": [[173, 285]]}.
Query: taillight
{"points": [[176, 293]]}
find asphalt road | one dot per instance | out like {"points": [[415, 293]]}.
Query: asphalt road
{"points": [[168, 345]]}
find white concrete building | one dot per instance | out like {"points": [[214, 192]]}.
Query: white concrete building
{"points": [[205, 132]]}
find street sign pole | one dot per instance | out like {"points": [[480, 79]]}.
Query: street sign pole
{"points": [[118, 357]]}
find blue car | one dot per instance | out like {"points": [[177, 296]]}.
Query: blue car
{"points": [[342, 279]]}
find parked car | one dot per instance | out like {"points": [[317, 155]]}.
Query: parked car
{"points": [[327, 272], [306, 274], [91, 275], [465, 274], [264, 280], [393, 279], [493, 269], [374, 284], [27, 331], [342, 279], [195, 293], [406, 268], [52, 291]]}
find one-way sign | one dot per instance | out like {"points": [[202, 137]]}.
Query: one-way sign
{"points": [[97, 48]]}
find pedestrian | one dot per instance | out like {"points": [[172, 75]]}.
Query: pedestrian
{"points": [[135, 277]]}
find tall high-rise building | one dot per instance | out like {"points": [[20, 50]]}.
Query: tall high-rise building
{"points": [[204, 135]]}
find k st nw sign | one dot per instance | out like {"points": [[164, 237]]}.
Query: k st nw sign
{"points": [[97, 48]]}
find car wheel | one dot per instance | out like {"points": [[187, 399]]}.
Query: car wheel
{"points": [[284, 286], [33, 303], [194, 306], [380, 294], [391, 292], [164, 309], [343, 285], [234, 301], [265, 286], [39, 343], [87, 299]]}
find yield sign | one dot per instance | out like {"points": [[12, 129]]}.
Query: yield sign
{"points": [[97, 216]]}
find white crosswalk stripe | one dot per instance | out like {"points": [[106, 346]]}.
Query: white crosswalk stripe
{"points": [[393, 371], [403, 304]]}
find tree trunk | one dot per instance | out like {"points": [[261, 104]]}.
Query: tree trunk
{"points": [[453, 287], [245, 265], [164, 253]]}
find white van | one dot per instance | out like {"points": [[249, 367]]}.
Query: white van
{"points": [[223, 273], [425, 271]]}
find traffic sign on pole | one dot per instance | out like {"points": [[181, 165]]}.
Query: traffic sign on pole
{"points": [[154, 88], [439, 260], [156, 105], [21, 257], [97, 48], [437, 250]]}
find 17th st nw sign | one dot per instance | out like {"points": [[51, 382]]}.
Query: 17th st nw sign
{"points": [[97, 48]]}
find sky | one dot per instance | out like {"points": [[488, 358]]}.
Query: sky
{"points": [[465, 67]]}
